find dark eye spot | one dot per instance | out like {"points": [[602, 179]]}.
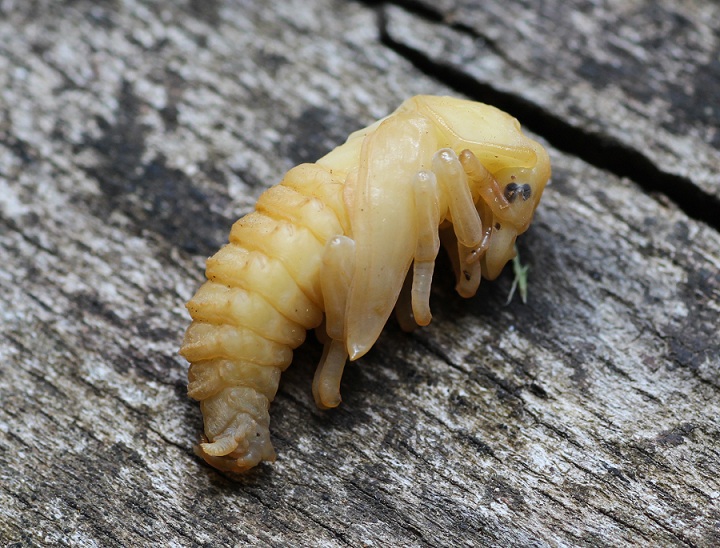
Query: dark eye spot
{"points": [[513, 190], [497, 226]]}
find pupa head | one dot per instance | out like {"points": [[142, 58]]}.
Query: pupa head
{"points": [[519, 166]]}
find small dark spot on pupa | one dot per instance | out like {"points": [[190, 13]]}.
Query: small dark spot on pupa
{"points": [[467, 275], [497, 226]]}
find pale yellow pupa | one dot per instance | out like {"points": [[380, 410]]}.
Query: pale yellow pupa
{"points": [[335, 241]]}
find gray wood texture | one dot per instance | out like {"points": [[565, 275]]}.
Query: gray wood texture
{"points": [[132, 135]]}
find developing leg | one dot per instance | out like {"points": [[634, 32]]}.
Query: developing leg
{"points": [[472, 240], [454, 182], [338, 265], [483, 183], [427, 211]]}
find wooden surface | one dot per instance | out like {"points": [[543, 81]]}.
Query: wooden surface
{"points": [[132, 134]]}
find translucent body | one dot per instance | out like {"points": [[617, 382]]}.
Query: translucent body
{"points": [[336, 240]]}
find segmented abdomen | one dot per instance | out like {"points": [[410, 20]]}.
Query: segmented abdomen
{"points": [[262, 295]]}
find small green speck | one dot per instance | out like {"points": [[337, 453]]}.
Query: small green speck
{"points": [[520, 281]]}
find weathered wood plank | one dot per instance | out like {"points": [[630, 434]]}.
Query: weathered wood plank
{"points": [[132, 135], [645, 75]]}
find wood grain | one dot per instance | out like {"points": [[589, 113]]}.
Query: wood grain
{"points": [[132, 134]]}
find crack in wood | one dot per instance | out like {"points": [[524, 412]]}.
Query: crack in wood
{"points": [[96, 268], [601, 151]]}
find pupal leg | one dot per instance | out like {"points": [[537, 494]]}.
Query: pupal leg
{"points": [[494, 208], [467, 271], [470, 272], [403, 307], [483, 183], [452, 178], [472, 240], [427, 214], [326, 383], [492, 202], [338, 264]]}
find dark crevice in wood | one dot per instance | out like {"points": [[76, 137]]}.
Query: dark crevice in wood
{"points": [[597, 150]]}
